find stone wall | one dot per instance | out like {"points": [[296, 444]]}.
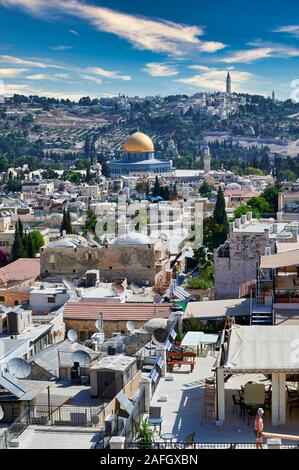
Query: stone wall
{"points": [[245, 248], [135, 263], [86, 328]]}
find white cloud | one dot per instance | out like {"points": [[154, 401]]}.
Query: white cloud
{"points": [[152, 34], [290, 29], [61, 47], [214, 79], [92, 79], [61, 75], [8, 59], [72, 31], [25, 88], [156, 69], [199, 67], [11, 73], [39, 76], [250, 55], [107, 73]]}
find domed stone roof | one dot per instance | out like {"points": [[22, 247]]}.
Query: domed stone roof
{"points": [[133, 238], [138, 142]]}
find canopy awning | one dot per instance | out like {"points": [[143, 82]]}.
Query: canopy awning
{"points": [[280, 260], [194, 338], [266, 349]]}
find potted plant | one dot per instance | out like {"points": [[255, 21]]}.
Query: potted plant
{"points": [[145, 436], [266, 290]]}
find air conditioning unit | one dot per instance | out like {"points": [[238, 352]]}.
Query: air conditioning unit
{"points": [[268, 250]]}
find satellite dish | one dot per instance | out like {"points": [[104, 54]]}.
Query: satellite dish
{"points": [[19, 368], [1, 413], [157, 299], [159, 336], [72, 335], [164, 237], [98, 325], [130, 325], [117, 288], [82, 357]]}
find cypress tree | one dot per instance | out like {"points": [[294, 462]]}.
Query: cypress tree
{"points": [[21, 229], [220, 215], [68, 222], [63, 225], [157, 189], [221, 220], [30, 247], [17, 250]]}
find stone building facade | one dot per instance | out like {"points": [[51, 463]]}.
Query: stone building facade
{"points": [[235, 262], [136, 258]]}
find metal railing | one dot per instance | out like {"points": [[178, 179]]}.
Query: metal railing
{"points": [[290, 295], [204, 445], [3, 441], [132, 423]]}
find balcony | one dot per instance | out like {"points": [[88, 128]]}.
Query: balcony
{"points": [[286, 296]]}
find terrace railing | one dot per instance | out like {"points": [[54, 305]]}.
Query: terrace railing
{"points": [[206, 445]]}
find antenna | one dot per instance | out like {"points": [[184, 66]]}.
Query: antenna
{"points": [[157, 299], [72, 336], [19, 368], [130, 325], [99, 323], [82, 357]]}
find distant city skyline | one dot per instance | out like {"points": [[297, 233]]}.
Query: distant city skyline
{"points": [[75, 48]]}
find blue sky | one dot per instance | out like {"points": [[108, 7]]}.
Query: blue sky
{"points": [[99, 48]]}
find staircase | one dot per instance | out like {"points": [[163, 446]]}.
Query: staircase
{"points": [[208, 409], [261, 315]]}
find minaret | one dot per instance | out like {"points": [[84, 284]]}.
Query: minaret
{"points": [[206, 159], [228, 84]]}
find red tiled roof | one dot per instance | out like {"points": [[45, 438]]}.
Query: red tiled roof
{"points": [[20, 270], [245, 193], [115, 311]]}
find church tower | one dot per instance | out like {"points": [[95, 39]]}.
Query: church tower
{"points": [[206, 159], [228, 84]]}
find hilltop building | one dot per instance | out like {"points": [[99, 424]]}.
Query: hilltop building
{"points": [[228, 84], [139, 159], [206, 159]]}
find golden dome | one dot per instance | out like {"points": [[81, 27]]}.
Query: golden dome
{"points": [[138, 142]]}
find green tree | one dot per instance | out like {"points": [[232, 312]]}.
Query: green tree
{"points": [[253, 171], [205, 189], [66, 224], [288, 175], [13, 185], [29, 247], [90, 222], [157, 188], [17, 250], [21, 229], [220, 217], [37, 240], [259, 203], [271, 196]]}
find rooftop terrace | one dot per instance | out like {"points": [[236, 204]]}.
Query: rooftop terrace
{"points": [[182, 413]]}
